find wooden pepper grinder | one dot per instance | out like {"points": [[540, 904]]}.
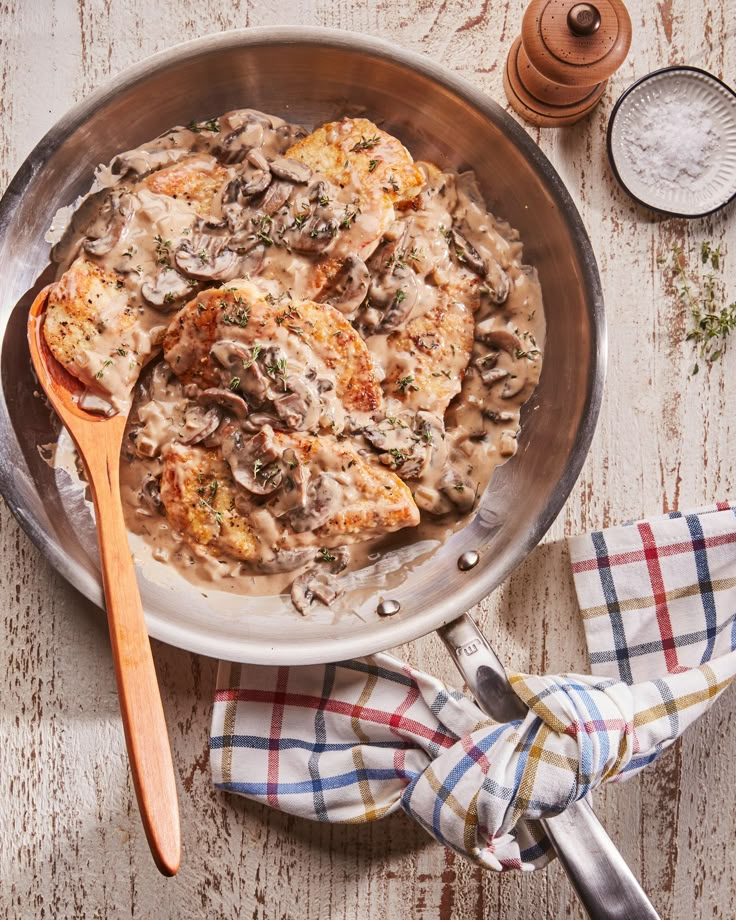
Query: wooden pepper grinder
{"points": [[557, 68]]}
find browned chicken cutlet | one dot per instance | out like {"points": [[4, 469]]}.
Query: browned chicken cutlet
{"points": [[356, 151], [427, 358], [90, 329], [307, 334], [194, 181], [371, 168], [346, 497]]}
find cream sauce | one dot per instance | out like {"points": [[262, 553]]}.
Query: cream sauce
{"points": [[436, 288]]}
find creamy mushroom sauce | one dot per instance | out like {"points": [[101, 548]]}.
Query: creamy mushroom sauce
{"points": [[170, 250]]}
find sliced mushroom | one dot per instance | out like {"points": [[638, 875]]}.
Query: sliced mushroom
{"points": [[208, 264], [275, 197], [347, 289], [293, 495], [515, 383], [199, 423], [105, 231], [323, 500], [150, 493], [316, 235], [400, 307], [255, 422], [167, 288], [291, 170], [289, 134], [253, 461], [313, 585], [465, 253], [226, 399], [459, 489], [502, 339], [236, 145], [391, 248], [496, 285], [431, 500], [300, 407], [256, 180], [393, 289], [316, 584], [407, 442], [492, 375], [340, 558], [244, 241], [135, 164]]}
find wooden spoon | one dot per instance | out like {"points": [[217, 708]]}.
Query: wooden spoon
{"points": [[98, 439]]}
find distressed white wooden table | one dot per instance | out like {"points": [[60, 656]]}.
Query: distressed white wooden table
{"points": [[71, 845]]}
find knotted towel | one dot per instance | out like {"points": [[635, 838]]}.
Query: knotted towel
{"points": [[354, 741]]}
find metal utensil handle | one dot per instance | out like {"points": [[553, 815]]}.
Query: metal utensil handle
{"points": [[603, 882]]}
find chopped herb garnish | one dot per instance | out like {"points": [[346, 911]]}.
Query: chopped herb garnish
{"points": [[163, 250], [400, 296], [101, 372], [531, 354], [236, 315], [263, 227], [277, 370], [234, 383], [366, 143], [406, 383], [351, 212], [393, 182], [324, 200], [204, 503], [325, 555], [198, 126], [253, 356], [372, 165], [459, 487], [121, 351]]}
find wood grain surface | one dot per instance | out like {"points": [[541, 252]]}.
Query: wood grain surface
{"points": [[71, 843]]}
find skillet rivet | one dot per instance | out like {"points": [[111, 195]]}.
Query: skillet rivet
{"points": [[468, 560], [388, 608]]}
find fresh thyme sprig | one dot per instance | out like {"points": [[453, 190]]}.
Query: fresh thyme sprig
{"points": [[704, 298]]}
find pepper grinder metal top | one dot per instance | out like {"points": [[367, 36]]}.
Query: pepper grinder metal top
{"points": [[557, 68]]}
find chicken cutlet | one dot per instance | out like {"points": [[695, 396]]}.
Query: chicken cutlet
{"points": [[93, 332], [301, 359], [425, 361], [278, 491]]}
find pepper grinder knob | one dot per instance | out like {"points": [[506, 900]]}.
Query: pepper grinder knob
{"points": [[583, 19], [557, 68]]}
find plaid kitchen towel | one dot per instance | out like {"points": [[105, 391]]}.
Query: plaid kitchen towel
{"points": [[354, 741]]}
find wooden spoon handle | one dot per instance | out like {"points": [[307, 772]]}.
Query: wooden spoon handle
{"points": [[140, 700]]}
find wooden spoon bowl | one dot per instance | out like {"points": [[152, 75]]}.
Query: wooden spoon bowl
{"points": [[98, 439]]}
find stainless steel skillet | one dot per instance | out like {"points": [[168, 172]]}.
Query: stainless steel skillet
{"points": [[311, 75]]}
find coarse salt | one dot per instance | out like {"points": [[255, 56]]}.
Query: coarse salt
{"points": [[672, 145]]}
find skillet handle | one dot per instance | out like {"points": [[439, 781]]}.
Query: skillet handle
{"points": [[604, 884]]}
